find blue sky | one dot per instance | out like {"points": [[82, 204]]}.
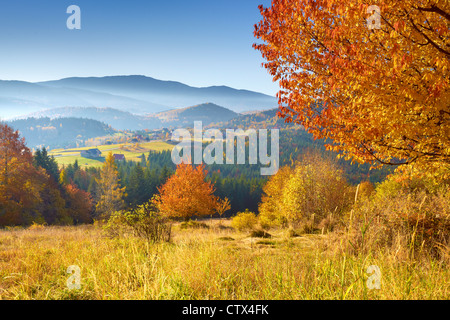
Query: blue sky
{"points": [[198, 42]]}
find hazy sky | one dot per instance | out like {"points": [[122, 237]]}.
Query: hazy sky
{"points": [[197, 42]]}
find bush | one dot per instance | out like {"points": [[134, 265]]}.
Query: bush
{"points": [[37, 226], [365, 191], [270, 220], [309, 227], [270, 209], [291, 233], [244, 221], [260, 234], [144, 222], [316, 190], [313, 195], [410, 217], [193, 225]]}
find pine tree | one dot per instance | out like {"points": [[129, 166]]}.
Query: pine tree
{"points": [[76, 167], [137, 193], [43, 160], [93, 188], [165, 174]]}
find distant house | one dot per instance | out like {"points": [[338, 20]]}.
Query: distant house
{"points": [[119, 157], [91, 153]]}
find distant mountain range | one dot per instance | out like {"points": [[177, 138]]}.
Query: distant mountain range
{"points": [[133, 94]]}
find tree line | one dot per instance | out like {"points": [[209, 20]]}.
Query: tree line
{"points": [[34, 189]]}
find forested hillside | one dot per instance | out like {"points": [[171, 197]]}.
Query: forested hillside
{"points": [[117, 119], [60, 133]]}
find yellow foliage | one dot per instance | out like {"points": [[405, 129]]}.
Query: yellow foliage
{"points": [[244, 221], [271, 207], [111, 193], [314, 190], [36, 226]]}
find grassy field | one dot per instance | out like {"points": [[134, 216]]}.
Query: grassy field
{"points": [[209, 263], [68, 156]]}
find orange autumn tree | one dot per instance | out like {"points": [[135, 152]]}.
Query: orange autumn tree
{"points": [[19, 187], [187, 194], [381, 95], [80, 204]]}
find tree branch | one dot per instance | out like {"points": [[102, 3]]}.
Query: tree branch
{"points": [[435, 9]]}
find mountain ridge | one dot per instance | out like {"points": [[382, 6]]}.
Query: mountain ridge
{"points": [[169, 93], [137, 94]]}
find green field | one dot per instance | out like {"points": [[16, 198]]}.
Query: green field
{"points": [[129, 150]]}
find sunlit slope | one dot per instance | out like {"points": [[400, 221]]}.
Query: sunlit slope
{"points": [[131, 151]]}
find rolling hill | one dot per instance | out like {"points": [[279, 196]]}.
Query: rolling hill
{"points": [[122, 120], [118, 119], [64, 132], [267, 119], [207, 113], [18, 98]]}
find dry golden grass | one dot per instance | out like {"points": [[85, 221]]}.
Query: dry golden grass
{"points": [[206, 263]]}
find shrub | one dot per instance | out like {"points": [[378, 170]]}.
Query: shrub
{"points": [[193, 225], [313, 192], [291, 233], [37, 226], [308, 227], [115, 226], [409, 216], [144, 222], [311, 196], [316, 190], [244, 221], [365, 190], [270, 209], [260, 234]]}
